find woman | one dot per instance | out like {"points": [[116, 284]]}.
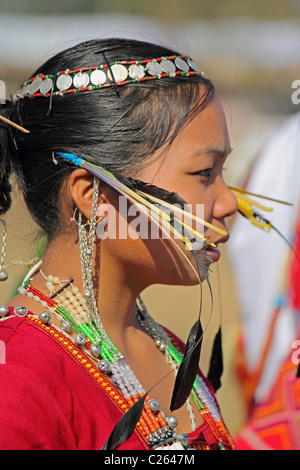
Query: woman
{"points": [[158, 121]]}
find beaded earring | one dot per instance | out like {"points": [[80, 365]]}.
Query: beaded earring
{"points": [[86, 235], [3, 272]]}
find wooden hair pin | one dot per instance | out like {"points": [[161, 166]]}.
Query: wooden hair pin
{"points": [[14, 125]]}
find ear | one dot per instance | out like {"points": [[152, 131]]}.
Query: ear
{"points": [[80, 185]]}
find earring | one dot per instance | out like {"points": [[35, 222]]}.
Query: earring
{"points": [[86, 235], [3, 272], [73, 218]]}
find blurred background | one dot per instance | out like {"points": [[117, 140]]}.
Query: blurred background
{"points": [[251, 52]]}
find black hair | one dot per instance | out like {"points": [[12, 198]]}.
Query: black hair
{"points": [[116, 130]]}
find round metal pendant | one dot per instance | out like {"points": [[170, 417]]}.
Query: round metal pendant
{"points": [[3, 275], [98, 77], [20, 311], [181, 64], [81, 80], [193, 65], [64, 82], [35, 85], [136, 71], [45, 317], [154, 68], [119, 72], [4, 311], [46, 85], [168, 66]]}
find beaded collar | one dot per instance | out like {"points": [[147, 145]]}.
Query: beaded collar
{"points": [[118, 73], [159, 429]]}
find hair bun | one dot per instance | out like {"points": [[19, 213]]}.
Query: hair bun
{"points": [[5, 161]]}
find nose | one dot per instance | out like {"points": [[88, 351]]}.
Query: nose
{"points": [[225, 202]]}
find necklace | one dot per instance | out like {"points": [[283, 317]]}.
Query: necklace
{"points": [[160, 430]]}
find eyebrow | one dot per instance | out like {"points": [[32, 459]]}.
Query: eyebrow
{"points": [[213, 149]]}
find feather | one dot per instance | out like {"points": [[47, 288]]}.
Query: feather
{"points": [[243, 191], [125, 427], [216, 362], [188, 368], [157, 192]]}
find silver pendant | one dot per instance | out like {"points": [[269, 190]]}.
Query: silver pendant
{"points": [[81, 80], [20, 311], [167, 66], [35, 85], [64, 82], [4, 311], [193, 65], [119, 72], [136, 71], [46, 85], [154, 68], [181, 64], [98, 77]]}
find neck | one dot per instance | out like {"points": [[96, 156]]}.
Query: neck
{"points": [[115, 289]]}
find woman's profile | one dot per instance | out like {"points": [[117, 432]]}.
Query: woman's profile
{"points": [[111, 124]]}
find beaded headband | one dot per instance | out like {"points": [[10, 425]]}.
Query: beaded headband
{"points": [[112, 74]]}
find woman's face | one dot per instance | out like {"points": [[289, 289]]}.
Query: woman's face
{"points": [[191, 167]]}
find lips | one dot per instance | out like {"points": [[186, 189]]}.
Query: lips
{"points": [[214, 254]]}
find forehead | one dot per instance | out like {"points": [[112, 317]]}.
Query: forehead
{"points": [[206, 131]]}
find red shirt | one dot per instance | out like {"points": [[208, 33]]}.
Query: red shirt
{"points": [[54, 398]]}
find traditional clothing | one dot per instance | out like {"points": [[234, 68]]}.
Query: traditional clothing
{"points": [[54, 398]]}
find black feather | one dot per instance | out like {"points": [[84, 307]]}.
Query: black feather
{"points": [[188, 368], [152, 190], [216, 362], [125, 427]]}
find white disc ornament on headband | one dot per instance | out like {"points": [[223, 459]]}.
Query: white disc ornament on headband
{"points": [[119, 72], [181, 64], [154, 68], [167, 66], [64, 82], [136, 71], [46, 85], [81, 80], [98, 77], [193, 65], [35, 85]]}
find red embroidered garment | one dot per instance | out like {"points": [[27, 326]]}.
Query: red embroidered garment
{"points": [[275, 423], [54, 398]]}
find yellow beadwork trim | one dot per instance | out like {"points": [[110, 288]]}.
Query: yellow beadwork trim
{"points": [[83, 360]]}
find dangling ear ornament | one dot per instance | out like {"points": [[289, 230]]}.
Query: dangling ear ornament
{"points": [[3, 272], [73, 219]]}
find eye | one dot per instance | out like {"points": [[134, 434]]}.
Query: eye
{"points": [[207, 173]]}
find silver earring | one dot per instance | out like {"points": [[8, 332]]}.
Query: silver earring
{"points": [[3, 272], [86, 234]]}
